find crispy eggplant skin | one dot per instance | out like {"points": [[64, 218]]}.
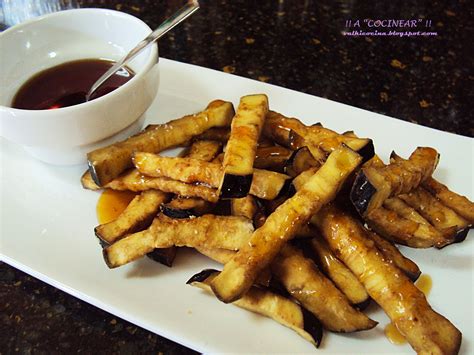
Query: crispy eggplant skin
{"points": [[367, 152], [137, 215], [453, 227], [235, 186], [239, 274], [241, 147], [181, 207], [427, 331], [374, 184], [87, 181], [210, 231], [404, 231], [107, 163], [338, 273], [272, 158], [299, 161], [133, 180], [178, 213], [394, 256], [163, 256], [460, 204], [271, 305], [304, 282], [264, 184]]}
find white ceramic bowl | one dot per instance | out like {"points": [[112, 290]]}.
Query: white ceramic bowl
{"points": [[63, 136]]}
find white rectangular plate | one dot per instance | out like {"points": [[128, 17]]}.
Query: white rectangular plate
{"points": [[47, 223]]}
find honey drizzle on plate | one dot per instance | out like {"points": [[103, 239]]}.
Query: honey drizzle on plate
{"points": [[424, 284], [111, 203]]}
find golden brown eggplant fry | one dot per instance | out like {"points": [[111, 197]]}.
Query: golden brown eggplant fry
{"points": [[210, 231], [404, 210], [394, 256], [204, 150], [373, 185], [88, 183], [244, 206], [138, 215], [272, 305], [239, 274], [444, 219], [105, 164], [404, 231], [427, 331], [222, 256], [241, 147], [133, 180], [303, 177], [342, 277], [435, 212], [316, 293], [188, 170], [320, 140], [460, 204], [265, 184], [185, 207]]}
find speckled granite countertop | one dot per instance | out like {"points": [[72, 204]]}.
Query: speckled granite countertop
{"points": [[295, 44]]}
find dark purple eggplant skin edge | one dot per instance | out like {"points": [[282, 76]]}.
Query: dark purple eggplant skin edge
{"points": [[159, 258], [236, 186], [201, 276], [313, 326], [103, 243], [413, 276], [177, 213], [290, 161], [363, 305], [292, 158], [106, 259], [367, 152], [94, 175], [287, 189], [459, 237], [361, 193]]}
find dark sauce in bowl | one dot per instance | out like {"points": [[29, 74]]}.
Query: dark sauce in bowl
{"points": [[67, 84]]}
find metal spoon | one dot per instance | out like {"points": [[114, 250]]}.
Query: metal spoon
{"points": [[179, 16]]}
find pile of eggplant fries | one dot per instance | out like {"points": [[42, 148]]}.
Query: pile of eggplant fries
{"points": [[305, 220]]}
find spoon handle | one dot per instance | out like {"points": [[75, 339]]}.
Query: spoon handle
{"points": [[179, 16]]}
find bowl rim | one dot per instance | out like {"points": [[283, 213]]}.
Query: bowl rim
{"points": [[152, 59]]}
